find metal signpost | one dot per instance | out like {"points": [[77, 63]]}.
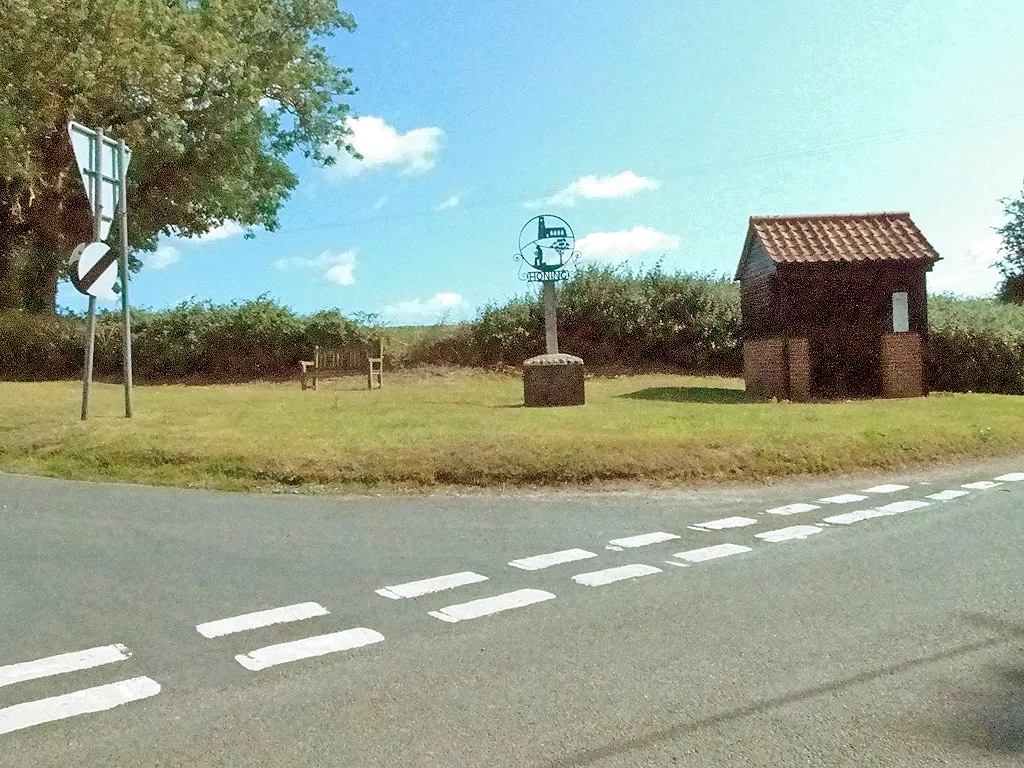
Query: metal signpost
{"points": [[547, 255], [103, 164]]}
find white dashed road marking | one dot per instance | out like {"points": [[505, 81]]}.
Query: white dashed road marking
{"points": [[712, 553], [610, 575], [78, 703], [308, 647], [947, 495], [488, 605], [785, 534], [792, 509], [891, 488], [1013, 477], [643, 539], [849, 518], [725, 522], [537, 562], [247, 621], [844, 498], [427, 586], [902, 506], [982, 485], [65, 662]]}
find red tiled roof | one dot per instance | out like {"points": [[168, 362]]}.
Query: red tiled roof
{"points": [[847, 237]]}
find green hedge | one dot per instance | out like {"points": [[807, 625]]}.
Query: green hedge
{"points": [[608, 316]]}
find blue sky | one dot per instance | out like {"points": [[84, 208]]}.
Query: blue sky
{"points": [[655, 128]]}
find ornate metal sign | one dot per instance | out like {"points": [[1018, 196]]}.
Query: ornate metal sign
{"points": [[546, 247]]}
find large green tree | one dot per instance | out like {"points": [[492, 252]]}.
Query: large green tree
{"points": [[1012, 264], [213, 96]]}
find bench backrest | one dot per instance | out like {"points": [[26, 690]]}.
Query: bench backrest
{"points": [[349, 357]]}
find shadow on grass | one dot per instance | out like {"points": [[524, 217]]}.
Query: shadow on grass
{"points": [[689, 395]]}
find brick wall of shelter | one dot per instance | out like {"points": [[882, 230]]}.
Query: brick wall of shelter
{"points": [[902, 365], [764, 368], [799, 361]]}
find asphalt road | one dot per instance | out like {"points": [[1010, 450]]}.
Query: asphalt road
{"points": [[888, 640]]}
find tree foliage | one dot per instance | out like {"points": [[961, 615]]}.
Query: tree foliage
{"points": [[213, 96], [1012, 264]]}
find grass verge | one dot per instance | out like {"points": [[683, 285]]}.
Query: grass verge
{"points": [[434, 428]]}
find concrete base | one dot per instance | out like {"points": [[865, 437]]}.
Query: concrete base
{"points": [[553, 380]]}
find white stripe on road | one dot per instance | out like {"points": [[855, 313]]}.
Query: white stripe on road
{"points": [[785, 534], [1013, 477], [902, 506], [643, 539], [886, 488], [610, 575], [65, 662], [308, 647], [982, 485], [791, 509], [711, 553], [427, 586], [725, 522], [78, 703], [849, 518], [537, 562], [843, 498], [488, 605], [247, 621], [947, 495]]}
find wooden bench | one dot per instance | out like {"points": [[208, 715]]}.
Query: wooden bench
{"points": [[334, 361]]}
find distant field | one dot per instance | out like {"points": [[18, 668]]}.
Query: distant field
{"points": [[434, 428]]}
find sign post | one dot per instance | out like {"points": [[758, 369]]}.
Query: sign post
{"points": [[550, 379], [103, 164]]}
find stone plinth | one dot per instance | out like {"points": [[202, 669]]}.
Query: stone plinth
{"points": [[551, 380]]}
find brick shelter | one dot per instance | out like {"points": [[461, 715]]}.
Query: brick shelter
{"points": [[835, 306]]}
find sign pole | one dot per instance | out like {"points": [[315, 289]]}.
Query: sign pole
{"points": [[96, 164], [125, 312], [550, 319]]}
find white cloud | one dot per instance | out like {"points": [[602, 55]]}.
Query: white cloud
{"points": [[972, 273], [337, 268], [620, 185], [451, 202], [450, 305], [162, 257], [620, 245], [381, 145], [224, 231], [381, 202]]}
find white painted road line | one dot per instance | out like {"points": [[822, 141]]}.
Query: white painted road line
{"points": [[785, 534], [65, 662], [712, 553], [78, 703], [903, 506], [843, 498], [428, 586], [643, 539], [891, 488], [982, 485], [610, 575], [488, 605], [297, 612], [849, 518], [1013, 477], [725, 522], [791, 509], [308, 647], [947, 495], [537, 562]]}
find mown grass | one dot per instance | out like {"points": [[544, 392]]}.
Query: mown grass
{"points": [[433, 428]]}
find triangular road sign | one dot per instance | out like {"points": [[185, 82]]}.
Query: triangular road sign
{"points": [[93, 158]]}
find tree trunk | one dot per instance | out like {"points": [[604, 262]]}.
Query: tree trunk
{"points": [[42, 268]]}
